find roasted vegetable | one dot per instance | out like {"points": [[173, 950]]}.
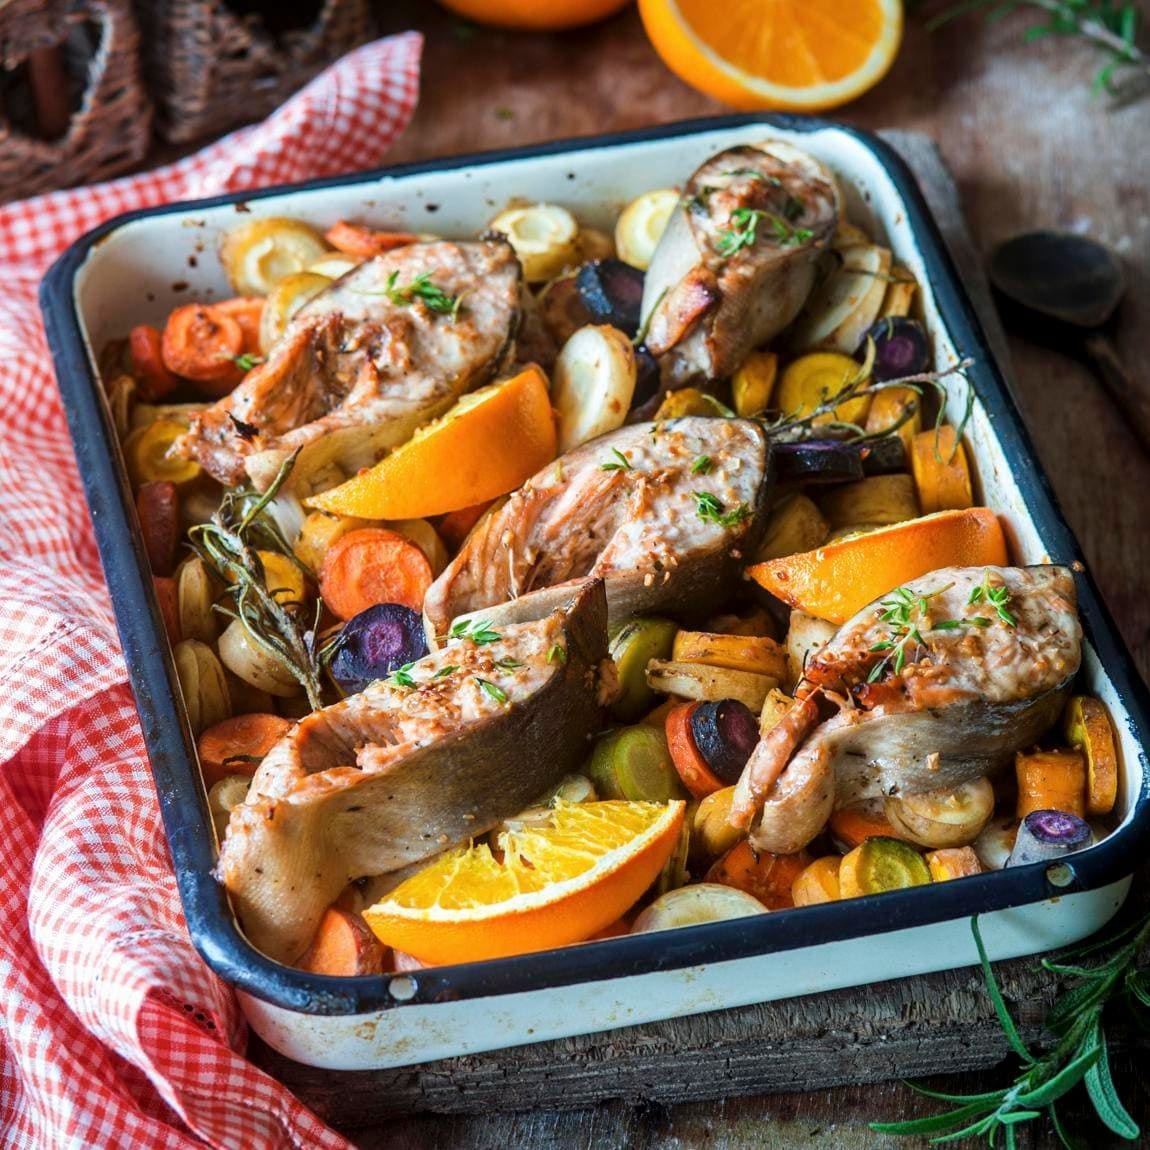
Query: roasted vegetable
{"points": [[258, 254], [427, 539], [344, 946], [754, 653], [634, 763], [899, 293], [286, 298], [593, 384], [696, 904], [768, 877], [842, 308], [690, 401], [896, 407], [953, 862], [641, 225], [319, 532], [562, 309], [941, 474], [813, 379], [148, 458], [878, 500], [994, 845], [726, 732], [544, 236], [635, 644], [158, 510], [1045, 836], [775, 706], [818, 882], [236, 746], [881, 864], [795, 525], [901, 348], [612, 292], [688, 760], [373, 565], [943, 818], [711, 830], [202, 684], [852, 825], [256, 663], [805, 636], [375, 643], [1051, 780], [818, 461], [226, 793], [1086, 725], [694, 681], [196, 591], [753, 384]]}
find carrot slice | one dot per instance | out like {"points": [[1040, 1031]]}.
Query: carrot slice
{"points": [[940, 471], [343, 945], [1087, 727], [370, 566], [819, 882], [1051, 781], [769, 877], [850, 826], [201, 343], [247, 311], [168, 596], [158, 507], [692, 768], [145, 351], [952, 862], [362, 242], [236, 746], [455, 526]]}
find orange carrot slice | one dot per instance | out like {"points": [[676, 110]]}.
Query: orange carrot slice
{"points": [[853, 825], [168, 596], [455, 526], [769, 877], [343, 945], [1051, 781], [247, 311], [692, 768], [201, 343], [158, 508], [236, 746], [145, 351], [370, 566], [361, 242]]}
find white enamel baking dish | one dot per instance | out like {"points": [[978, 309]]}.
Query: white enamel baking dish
{"points": [[137, 267]]}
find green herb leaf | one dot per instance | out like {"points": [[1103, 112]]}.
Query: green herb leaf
{"points": [[475, 630], [701, 466], [557, 654], [247, 361], [619, 463], [443, 672], [491, 690], [743, 231], [401, 677], [936, 1123], [1007, 1023], [508, 664], [421, 288], [711, 509], [1100, 1087]]}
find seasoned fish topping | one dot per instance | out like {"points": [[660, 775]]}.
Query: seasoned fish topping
{"points": [[365, 363], [664, 512], [938, 683]]}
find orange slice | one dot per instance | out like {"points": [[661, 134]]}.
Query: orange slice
{"points": [[797, 54], [555, 884], [489, 443], [539, 14], [839, 579]]}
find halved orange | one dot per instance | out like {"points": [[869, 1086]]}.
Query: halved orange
{"points": [[801, 55], [555, 884], [539, 14], [839, 579], [489, 443]]}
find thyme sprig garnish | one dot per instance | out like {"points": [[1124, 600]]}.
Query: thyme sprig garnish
{"points": [[401, 676], [492, 690], [478, 631], [711, 509], [619, 462], [702, 465], [229, 544], [743, 230], [247, 361], [1079, 1054], [421, 288], [557, 654], [905, 613], [996, 597], [1111, 25]]}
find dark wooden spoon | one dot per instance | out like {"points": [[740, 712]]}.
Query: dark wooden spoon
{"points": [[1062, 289]]}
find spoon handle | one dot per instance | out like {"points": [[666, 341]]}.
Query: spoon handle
{"points": [[1129, 396]]}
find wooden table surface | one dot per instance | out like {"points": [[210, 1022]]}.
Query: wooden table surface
{"points": [[1030, 146]]}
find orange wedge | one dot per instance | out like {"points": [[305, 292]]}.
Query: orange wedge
{"points": [[554, 884], [538, 14], [489, 443], [836, 581], [801, 55]]}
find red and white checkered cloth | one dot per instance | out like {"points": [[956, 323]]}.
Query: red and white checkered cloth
{"points": [[113, 1033]]}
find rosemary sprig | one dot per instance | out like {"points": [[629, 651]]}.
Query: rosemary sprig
{"points": [[421, 288], [1079, 1053], [743, 231], [228, 543], [1111, 25], [711, 509]]}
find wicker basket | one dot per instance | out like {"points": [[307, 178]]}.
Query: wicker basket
{"points": [[212, 65], [72, 106]]}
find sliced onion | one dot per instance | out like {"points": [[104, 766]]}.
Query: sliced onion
{"points": [[593, 384], [699, 903]]}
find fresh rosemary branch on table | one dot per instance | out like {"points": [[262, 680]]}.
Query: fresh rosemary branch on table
{"points": [[1111, 25], [1079, 1053], [228, 543]]}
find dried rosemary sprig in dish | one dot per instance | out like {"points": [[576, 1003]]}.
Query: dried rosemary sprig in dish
{"points": [[229, 544], [1079, 1053]]}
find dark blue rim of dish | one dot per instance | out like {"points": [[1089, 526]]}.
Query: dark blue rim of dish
{"points": [[171, 748]]}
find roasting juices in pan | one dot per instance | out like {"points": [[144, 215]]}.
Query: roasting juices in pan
{"points": [[545, 585]]}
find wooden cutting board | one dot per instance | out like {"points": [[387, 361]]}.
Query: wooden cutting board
{"points": [[934, 1024]]}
